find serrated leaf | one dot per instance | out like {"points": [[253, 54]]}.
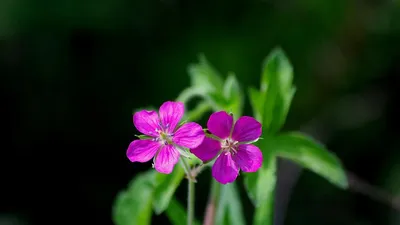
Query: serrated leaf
{"points": [[177, 214], [229, 211], [133, 206], [312, 155], [272, 102], [166, 187]]}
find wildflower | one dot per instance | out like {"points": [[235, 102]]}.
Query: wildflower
{"points": [[232, 145], [164, 139]]}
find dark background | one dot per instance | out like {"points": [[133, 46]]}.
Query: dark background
{"points": [[72, 72]]}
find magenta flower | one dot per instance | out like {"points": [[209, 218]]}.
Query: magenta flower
{"points": [[232, 143], [165, 138]]}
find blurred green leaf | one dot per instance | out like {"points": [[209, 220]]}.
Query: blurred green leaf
{"points": [[233, 95], [133, 206], [177, 214], [264, 214], [312, 155], [205, 77], [229, 209], [218, 94], [166, 187], [260, 185], [272, 102], [196, 113]]}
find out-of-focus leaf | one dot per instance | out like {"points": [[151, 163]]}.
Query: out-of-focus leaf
{"points": [[196, 113], [257, 103], [233, 95], [312, 155], [205, 77], [207, 83], [260, 185], [177, 214], [229, 211], [133, 206], [264, 214], [272, 102], [165, 189]]}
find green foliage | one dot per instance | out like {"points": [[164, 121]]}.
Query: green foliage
{"points": [[272, 102], [207, 83], [312, 155], [177, 214], [270, 106], [229, 209], [133, 206], [260, 185], [165, 190], [204, 77]]}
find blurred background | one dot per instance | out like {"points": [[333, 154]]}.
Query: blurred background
{"points": [[72, 72]]}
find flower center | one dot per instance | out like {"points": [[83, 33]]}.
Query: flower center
{"points": [[229, 146], [164, 137]]}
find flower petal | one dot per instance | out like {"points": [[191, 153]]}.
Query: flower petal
{"points": [[170, 114], [248, 157], [225, 170], [166, 159], [220, 124], [208, 149], [146, 122], [246, 129], [142, 150], [189, 135]]}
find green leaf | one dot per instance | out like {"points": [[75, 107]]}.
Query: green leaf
{"points": [[261, 184], [196, 113], [233, 95], [143, 137], [207, 83], [133, 206], [177, 214], [312, 155], [229, 209], [204, 76], [165, 189], [257, 103], [272, 102]]}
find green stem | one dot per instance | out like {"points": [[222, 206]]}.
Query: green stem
{"points": [[190, 207], [191, 199], [215, 191]]}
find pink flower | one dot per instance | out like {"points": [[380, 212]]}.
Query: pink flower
{"points": [[165, 138], [232, 145]]}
